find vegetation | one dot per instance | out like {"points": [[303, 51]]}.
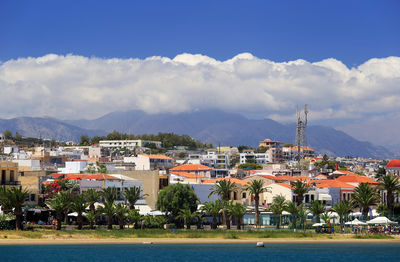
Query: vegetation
{"points": [[343, 209], [293, 210], [213, 209], [238, 211], [224, 189], [277, 207], [60, 203], [365, 196], [174, 198], [256, 187], [300, 188], [132, 195], [250, 166], [391, 184], [317, 208], [13, 199]]}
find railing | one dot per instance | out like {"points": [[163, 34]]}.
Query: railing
{"points": [[10, 183]]}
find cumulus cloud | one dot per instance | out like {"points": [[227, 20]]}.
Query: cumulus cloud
{"points": [[73, 86]]}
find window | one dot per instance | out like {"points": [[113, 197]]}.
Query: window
{"points": [[234, 196], [12, 176], [244, 195], [32, 197], [21, 173], [307, 198], [312, 197]]}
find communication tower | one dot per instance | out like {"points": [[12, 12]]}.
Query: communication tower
{"points": [[301, 137]]}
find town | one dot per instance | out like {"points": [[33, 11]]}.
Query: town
{"points": [[125, 181]]}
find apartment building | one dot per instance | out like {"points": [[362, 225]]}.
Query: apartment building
{"points": [[9, 174], [129, 144]]}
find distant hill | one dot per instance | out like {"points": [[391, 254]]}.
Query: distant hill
{"points": [[46, 128], [211, 126], [216, 127]]}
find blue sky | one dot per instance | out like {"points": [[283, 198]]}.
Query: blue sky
{"points": [[350, 31]]}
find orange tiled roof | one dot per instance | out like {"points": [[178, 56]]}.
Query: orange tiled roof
{"points": [[233, 180], [291, 178], [191, 167], [357, 179], [346, 172], [331, 184], [284, 185], [188, 175], [267, 176], [89, 176], [394, 163], [158, 157]]}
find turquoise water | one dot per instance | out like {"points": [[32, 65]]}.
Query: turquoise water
{"points": [[320, 252]]}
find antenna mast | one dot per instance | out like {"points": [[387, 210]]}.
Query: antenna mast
{"points": [[301, 138]]}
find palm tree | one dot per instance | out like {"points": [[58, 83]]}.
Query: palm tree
{"points": [[4, 200], [109, 210], [78, 205], [92, 196], [60, 203], [365, 196], [238, 211], [224, 188], [317, 208], [391, 184], [134, 217], [91, 217], [302, 215], [110, 194], [325, 216], [293, 210], [343, 209], [187, 215], [256, 187], [213, 209], [300, 188], [277, 207], [121, 211], [132, 195], [16, 197]]}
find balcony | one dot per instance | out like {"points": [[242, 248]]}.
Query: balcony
{"points": [[10, 183]]}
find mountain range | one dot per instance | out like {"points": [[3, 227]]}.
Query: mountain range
{"points": [[212, 126]]}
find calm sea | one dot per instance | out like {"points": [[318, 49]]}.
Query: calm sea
{"points": [[320, 252]]}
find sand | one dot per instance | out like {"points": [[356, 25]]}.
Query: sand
{"points": [[184, 241]]}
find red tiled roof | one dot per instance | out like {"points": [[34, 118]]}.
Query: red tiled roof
{"points": [[357, 179], [346, 172], [331, 184], [394, 163], [191, 167], [233, 180], [188, 175], [284, 185], [89, 176], [291, 178], [267, 176]]}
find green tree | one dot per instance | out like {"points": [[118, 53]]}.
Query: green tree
{"points": [[109, 210], [7, 134], [134, 217], [14, 198], [299, 188], [132, 195], [92, 196], [343, 209], [293, 209], [213, 209], [224, 189], [78, 205], [391, 185], [302, 213], [91, 216], [317, 208], [237, 210], [60, 203], [381, 172], [173, 198], [256, 188], [187, 215], [121, 211], [110, 194], [277, 207], [85, 140], [18, 136], [248, 165], [365, 196]]}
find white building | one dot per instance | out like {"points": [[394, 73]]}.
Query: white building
{"points": [[28, 164], [258, 158], [129, 144], [73, 167], [150, 162]]}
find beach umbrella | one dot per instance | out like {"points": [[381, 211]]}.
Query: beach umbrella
{"points": [[381, 221], [356, 222], [318, 224]]}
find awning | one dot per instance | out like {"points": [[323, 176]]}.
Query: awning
{"points": [[325, 197]]}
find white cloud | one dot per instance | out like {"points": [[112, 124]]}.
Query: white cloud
{"points": [[80, 87]]}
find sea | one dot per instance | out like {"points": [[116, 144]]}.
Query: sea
{"points": [[293, 252]]}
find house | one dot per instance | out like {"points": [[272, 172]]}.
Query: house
{"points": [[338, 190], [275, 190], [186, 178], [238, 196], [356, 179], [128, 144], [196, 169], [9, 174], [150, 162], [393, 167]]}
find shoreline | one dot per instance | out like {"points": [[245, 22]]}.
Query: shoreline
{"points": [[91, 241]]}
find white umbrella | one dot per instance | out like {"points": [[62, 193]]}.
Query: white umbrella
{"points": [[318, 224], [381, 221], [75, 214], [356, 222]]}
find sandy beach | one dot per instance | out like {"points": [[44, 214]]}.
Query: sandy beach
{"points": [[185, 241]]}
